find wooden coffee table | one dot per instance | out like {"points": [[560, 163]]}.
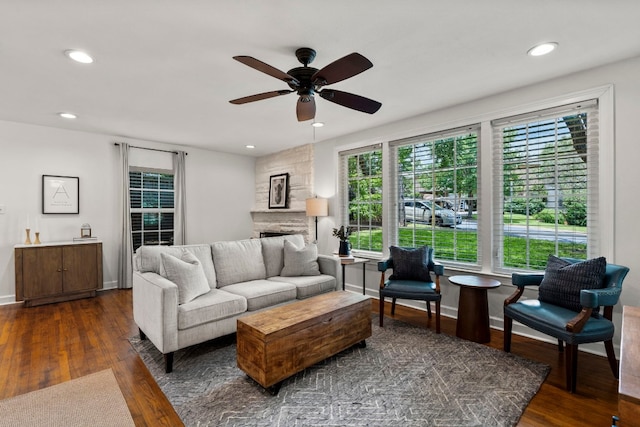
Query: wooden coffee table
{"points": [[473, 307], [274, 344]]}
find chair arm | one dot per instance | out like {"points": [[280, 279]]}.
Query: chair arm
{"points": [[155, 309], [576, 324], [526, 279], [438, 269], [385, 264], [593, 298]]}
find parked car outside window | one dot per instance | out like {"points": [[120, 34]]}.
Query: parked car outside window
{"points": [[421, 211]]}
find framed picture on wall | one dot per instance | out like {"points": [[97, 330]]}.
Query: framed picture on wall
{"points": [[278, 191], [60, 194]]}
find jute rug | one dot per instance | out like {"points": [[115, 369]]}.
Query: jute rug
{"points": [[406, 376], [94, 400]]}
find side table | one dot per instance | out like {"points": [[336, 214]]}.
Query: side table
{"points": [[473, 307], [344, 261]]}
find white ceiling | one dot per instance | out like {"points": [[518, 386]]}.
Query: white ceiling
{"points": [[164, 71]]}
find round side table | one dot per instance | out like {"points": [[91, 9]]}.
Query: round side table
{"points": [[473, 307]]}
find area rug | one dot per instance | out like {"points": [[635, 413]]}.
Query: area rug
{"points": [[93, 400], [405, 376]]}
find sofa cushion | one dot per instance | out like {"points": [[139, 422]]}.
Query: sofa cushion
{"points": [[263, 293], [273, 251], [308, 286], [149, 259], [300, 261], [563, 280], [411, 263], [187, 273], [214, 305], [238, 261]]}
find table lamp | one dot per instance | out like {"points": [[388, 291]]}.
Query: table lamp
{"points": [[317, 207]]}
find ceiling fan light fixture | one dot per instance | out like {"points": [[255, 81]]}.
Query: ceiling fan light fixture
{"points": [[79, 56], [250, 147], [542, 49], [317, 124], [67, 115]]}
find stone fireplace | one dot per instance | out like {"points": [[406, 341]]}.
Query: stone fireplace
{"points": [[298, 163]]}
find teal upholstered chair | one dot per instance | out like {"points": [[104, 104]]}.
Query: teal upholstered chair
{"points": [[569, 327], [411, 279]]}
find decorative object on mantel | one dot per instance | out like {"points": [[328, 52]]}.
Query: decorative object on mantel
{"points": [[279, 191], [343, 234], [317, 207], [85, 230], [60, 194]]}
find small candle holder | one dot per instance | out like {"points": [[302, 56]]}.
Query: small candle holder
{"points": [[28, 240], [37, 240]]}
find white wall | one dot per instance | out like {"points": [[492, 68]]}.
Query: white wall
{"points": [[624, 77], [220, 191]]}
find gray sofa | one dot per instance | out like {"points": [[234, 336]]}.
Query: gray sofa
{"points": [[185, 295]]}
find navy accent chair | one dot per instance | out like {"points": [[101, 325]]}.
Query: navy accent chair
{"points": [[568, 327], [411, 289]]}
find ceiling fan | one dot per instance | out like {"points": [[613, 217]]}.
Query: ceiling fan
{"points": [[307, 81]]}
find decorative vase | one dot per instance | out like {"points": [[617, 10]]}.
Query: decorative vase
{"points": [[345, 248]]}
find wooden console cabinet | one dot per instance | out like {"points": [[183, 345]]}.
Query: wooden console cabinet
{"points": [[55, 272]]}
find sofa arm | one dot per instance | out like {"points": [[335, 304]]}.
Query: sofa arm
{"points": [[155, 309], [330, 265]]}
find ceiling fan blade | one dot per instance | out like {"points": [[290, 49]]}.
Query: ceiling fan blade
{"points": [[341, 69], [349, 100], [266, 68], [260, 96], [306, 110]]}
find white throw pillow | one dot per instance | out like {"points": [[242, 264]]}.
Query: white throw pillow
{"points": [[300, 262], [187, 273]]}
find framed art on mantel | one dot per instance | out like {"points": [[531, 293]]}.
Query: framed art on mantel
{"points": [[60, 194], [278, 191]]}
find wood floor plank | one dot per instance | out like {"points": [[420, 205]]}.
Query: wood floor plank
{"points": [[49, 344]]}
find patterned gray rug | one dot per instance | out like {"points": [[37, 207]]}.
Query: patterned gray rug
{"points": [[406, 376]]}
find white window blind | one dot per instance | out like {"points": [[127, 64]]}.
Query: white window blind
{"points": [[545, 186], [361, 197], [435, 199]]}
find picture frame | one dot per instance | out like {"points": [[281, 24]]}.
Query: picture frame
{"points": [[60, 194], [279, 191]]}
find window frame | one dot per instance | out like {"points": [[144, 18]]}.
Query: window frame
{"points": [[487, 252], [158, 210]]}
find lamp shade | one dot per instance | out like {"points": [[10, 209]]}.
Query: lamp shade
{"points": [[317, 207]]}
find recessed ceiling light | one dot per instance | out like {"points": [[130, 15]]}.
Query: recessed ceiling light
{"points": [[68, 115], [542, 49], [250, 146], [79, 56], [317, 124]]}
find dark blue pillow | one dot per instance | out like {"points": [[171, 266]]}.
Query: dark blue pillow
{"points": [[564, 280], [410, 263]]}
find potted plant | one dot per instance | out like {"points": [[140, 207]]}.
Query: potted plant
{"points": [[343, 234]]}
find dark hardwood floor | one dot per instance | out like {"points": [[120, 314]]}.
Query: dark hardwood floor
{"points": [[46, 345]]}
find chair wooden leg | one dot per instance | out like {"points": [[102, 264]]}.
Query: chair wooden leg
{"points": [[429, 309], [560, 346], [611, 355], [508, 326], [437, 317], [571, 366], [381, 309], [393, 306]]}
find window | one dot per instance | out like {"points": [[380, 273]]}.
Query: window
{"points": [[545, 194], [152, 208], [435, 203], [362, 197]]}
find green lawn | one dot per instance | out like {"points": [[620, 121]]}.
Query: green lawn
{"points": [[461, 245]]}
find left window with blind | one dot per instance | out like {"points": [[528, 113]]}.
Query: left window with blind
{"points": [[152, 207]]}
